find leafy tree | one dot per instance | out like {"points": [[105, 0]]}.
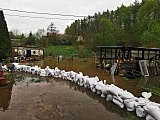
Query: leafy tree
{"points": [[146, 14], [151, 37], [5, 42], [104, 34], [130, 25]]}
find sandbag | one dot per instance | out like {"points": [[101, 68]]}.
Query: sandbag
{"points": [[126, 95], [149, 117], [105, 90], [109, 97], [153, 109], [117, 102], [146, 95], [141, 102], [103, 95], [115, 90], [94, 90], [118, 98], [130, 104], [140, 112]]}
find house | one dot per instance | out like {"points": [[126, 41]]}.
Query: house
{"points": [[20, 53]]}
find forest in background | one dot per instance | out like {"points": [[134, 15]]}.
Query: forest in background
{"points": [[134, 25], [137, 25]]}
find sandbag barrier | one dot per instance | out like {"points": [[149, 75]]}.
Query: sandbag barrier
{"points": [[123, 98]]}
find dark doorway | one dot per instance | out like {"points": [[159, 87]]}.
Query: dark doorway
{"points": [[28, 53]]}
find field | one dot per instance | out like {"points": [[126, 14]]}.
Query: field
{"points": [[66, 51]]}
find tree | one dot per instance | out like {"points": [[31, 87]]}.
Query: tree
{"points": [[5, 42], [151, 37], [30, 40], [104, 34], [52, 34], [52, 29]]}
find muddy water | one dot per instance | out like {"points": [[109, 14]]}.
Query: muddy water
{"points": [[53, 99], [88, 67], [44, 98]]}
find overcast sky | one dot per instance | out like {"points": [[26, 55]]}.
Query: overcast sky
{"points": [[64, 7]]}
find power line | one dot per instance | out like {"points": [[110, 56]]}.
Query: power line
{"points": [[37, 17], [39, 12]]}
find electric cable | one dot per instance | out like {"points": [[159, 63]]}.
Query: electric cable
{"points": [[37, 17], [33, 12]]}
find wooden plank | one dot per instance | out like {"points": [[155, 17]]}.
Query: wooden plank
{"points": [[143, 68]]}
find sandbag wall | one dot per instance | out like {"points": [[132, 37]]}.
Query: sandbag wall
{"points": [[123, 98]]}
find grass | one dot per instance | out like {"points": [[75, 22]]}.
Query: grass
{"points": [[150, 84], [67, 51]]}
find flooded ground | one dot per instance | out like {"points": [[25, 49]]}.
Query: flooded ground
{"points": [[44, 98], [88, 67]]}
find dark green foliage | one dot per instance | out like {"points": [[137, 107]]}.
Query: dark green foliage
{"points": [[131, 26], [5, 42], [31, 40]]}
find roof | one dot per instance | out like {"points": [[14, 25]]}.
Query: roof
{"points": [[130, 48]]}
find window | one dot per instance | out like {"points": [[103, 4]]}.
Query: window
{"points": [[34, 52]]}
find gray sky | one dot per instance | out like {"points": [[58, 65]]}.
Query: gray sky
{"points": [[65, 7]]}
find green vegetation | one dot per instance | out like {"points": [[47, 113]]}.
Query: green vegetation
{"points": [[132, 116], [149, 84], [66, 51], [134, 25], [137, 25], [5, 43]]}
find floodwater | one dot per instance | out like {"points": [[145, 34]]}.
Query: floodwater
{"points": [[44, 98]]}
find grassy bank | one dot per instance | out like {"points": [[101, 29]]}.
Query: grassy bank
{"points": [[67, 51]]}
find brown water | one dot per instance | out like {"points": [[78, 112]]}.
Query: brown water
{"points": [[45, 98], [89, 68]]}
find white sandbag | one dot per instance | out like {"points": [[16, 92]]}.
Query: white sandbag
{"points": [[115, 90], [42, 72], [126, 95], [118, 98], [130, 104], [99, 85], [91, 82], [146, 95], [109, 97], [141, 102], [94, 90], [140, 112], [117, 102], [78, 77], [105, 90], [103, 95], [153, 109], [149, 117]]}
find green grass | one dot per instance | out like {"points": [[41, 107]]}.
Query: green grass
{"points": [[67, 51]]}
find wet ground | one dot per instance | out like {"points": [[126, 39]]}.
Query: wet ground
{"points": [[43, 98]]}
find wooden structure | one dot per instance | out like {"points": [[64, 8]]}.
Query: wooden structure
{"points": [[131, 58]]}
